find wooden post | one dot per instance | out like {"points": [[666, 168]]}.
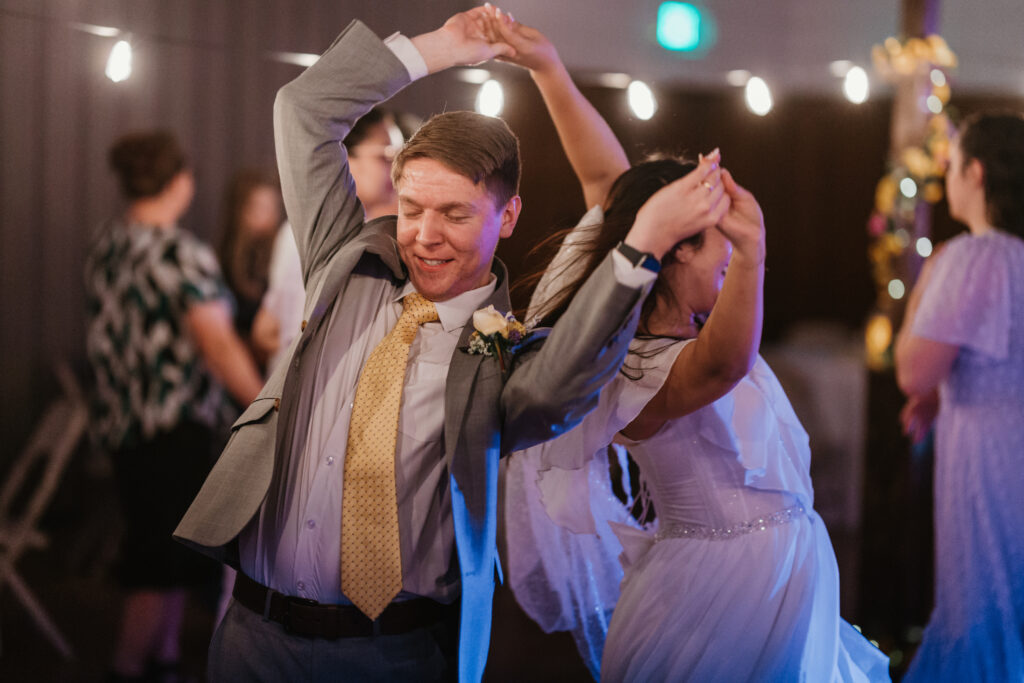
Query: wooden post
{"points": [[920, 18]]}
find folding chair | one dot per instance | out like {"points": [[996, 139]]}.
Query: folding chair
{"points": [[49, 449]]}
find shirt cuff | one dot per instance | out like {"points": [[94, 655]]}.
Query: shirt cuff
{"points": [[407, 53], [629, 275]]}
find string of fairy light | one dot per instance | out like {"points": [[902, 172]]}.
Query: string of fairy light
{"points": [[679, 27], [914, 174]]}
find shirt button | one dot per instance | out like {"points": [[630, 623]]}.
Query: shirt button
{"points": [[311, 524], [303, 328], [330, 459]]}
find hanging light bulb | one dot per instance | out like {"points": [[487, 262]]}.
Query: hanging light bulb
{"points": [[490, 99], [908, 187], [855, 85], [758, 96], [119, 64], [641, 100]]}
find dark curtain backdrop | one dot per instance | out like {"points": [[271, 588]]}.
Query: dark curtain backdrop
{"points": [[203, 69]]}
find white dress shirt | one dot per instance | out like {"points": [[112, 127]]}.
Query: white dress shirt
{"points": [[304, 559]]}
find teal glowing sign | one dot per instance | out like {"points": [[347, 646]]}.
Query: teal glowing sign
{"points": [[679, 26]]}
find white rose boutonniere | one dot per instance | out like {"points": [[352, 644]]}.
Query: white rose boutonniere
{"points": [[488, 320], [496, 334]]}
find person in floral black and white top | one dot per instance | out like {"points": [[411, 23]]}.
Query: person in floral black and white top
{"points": [[162, 347]]}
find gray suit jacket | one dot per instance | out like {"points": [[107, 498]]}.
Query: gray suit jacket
{"points": [[548, 389]]}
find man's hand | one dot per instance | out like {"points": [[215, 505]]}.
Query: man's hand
{"points": [[681, 209], [531, 49], [463, 40]]}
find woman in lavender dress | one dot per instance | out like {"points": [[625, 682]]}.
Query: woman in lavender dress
{"points": [[961, 352]]}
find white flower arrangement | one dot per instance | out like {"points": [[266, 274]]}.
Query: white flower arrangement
{"points": [[496, 334]]}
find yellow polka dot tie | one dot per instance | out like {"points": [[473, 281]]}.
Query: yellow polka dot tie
{"points": [[371, 561]]}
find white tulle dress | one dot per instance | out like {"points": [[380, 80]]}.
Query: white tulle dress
{"points": [[737, 582]]}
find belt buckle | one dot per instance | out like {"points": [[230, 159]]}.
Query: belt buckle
{"points": [[289, 601]]}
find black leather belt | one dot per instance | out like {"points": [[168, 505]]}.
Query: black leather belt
{"points": [[310, 618]]}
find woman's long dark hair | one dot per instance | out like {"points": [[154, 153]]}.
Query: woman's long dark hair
{"points": [[996, 139], [245, 259], [628, 193]]}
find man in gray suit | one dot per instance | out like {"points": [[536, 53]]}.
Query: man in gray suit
{"points": [[273, 504]]}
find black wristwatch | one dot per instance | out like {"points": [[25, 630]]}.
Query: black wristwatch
{"points": [[639, 259]]}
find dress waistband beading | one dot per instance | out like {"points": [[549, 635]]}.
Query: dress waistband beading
{"points": [[784, 516]]}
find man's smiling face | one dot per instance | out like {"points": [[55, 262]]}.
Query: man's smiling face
{"points": [[448, 228]]}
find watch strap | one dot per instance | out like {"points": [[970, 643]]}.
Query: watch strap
{"points": [[639, 259]]}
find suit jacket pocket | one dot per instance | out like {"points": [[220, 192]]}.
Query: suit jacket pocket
{"points": [[238, 482]]}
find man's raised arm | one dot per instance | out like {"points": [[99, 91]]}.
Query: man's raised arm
{"points": [[314, 113]]}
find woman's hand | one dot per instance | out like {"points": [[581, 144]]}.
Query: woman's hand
{"points": [[681, 209], [743, 223], [918, 415]]}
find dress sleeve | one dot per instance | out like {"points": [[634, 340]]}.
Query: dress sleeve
{"points": [[562, 522], [967, 300], [561, 464], [200, 274]]}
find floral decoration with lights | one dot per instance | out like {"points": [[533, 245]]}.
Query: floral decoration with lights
{"points": [[914, 175]]}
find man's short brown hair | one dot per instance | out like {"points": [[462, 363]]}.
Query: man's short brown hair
{"points": [[481, 148]]}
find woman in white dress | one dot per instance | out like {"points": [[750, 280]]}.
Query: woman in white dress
{"points": [[739, 581]]}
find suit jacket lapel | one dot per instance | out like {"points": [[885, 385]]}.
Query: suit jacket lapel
{"points": [[462, 373]]}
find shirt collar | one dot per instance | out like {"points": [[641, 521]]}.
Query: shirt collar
{"points": [[456, 312]]}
